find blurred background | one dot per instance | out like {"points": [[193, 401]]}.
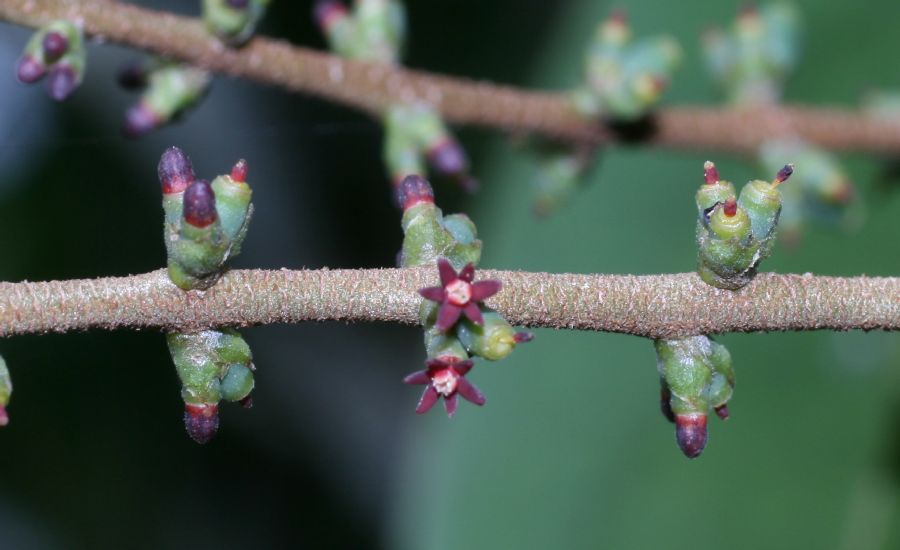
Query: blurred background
{"points": [[569, 452]]}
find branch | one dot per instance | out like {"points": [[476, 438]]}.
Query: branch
{"points": [[655, 306], [371, 87]]}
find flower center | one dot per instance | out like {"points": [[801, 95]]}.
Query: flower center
{"points": [[445, 381], [459, 292]]}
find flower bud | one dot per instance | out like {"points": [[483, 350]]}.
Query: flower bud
{"points": [[414, 190], [714, 190], [62, 81], [201, 422], [171, 89], [690, 432], [30, 69], [175, 171], [199, 205], [237, 383], [493, 340], [55, 45], [233, 21]]}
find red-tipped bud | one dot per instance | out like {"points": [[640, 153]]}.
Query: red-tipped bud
{"points": [[55, 46], [690, 432], [523, 337], [710, 173], [730, 207], [132, 76], [140, 120], [784, 174], [175, 171], [29, 70], [4, 418], [448, 158], [201, 422], [247, 402], [327, 12], [722, 412], [414, 190], [199, 204], [239, 171], [61, 82]]}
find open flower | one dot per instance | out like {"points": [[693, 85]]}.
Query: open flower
{"points": [[458, 294], [445, 376]]}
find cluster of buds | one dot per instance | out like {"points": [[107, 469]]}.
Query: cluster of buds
{"points": [[57, 51], [458, 325], [735, 234], [753, 60], [625, 79], [695, 375], [415, 134], [373, 31], [233, 21], [5, 392], [821, 191], [213, 365], [205, 224], [168, 90]]}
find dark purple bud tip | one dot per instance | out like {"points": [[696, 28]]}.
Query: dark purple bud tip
{"points": [[140, 120], [55, 46], [61, 82], [4, 418], [175, 171], [132, 76], [448, 158], [690, 432], [239, 171], [326, 12], [201, 422], [414, 190], [722, 412], [523, 337], [784, 174], [200, 204], [238, 4], [247, 402], [29, 70]]}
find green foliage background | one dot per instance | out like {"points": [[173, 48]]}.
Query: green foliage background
{"points": [[569, 452]]}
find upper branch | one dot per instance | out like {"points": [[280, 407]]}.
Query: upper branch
{"points": [[656, 306], [371, 87]]}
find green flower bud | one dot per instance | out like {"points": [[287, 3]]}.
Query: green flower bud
{"points": [[493, 340], [375, 31], [196, 256], [727, 252], [441, 344], [237, 383], [429, 236], [5, 392], [233, 204], [196, 363], [714, 191], [171, 89], [233, 21]]}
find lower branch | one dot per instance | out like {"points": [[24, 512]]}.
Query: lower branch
{"points": [[655, 306], [372, 87]]}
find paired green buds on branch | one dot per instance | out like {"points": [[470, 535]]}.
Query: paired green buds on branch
{"points": [[373, 31], [735, 234], [5, 392], [457, 323], [212, 365], [415, 134], [695, 375], [233, 21], [625, 80], [753, 60], [169, 89], [57, 51]]}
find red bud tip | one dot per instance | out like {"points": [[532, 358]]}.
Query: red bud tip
{"points": [[61, 82], [722, 412], [690, 432], [140, 120], [448, 158], [201, 422], [783, 174], [731, 207], [238, 4], [523, 337], [239, 172], [710, 173], [4, 418], [55, 46], [29, 70], [132, 76], [199, 204], [175, 171], [327, 12], [414, 190]]}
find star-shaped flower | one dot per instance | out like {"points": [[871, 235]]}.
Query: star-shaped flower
{"points": [[445, 376], [458, 294]]}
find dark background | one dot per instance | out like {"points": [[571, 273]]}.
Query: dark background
{"points": [[570, 451]]}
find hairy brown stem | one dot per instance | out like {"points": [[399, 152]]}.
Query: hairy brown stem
{"points": [[373, 87], [656, 306]]}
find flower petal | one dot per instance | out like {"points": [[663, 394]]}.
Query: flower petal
{"points": [[483, 290], [433, 293], [448, 315], [448, 274], [468, 272], [418, 377], [450, 404], [429, 398], [473, 312], [470, 392], [462, 367]]}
